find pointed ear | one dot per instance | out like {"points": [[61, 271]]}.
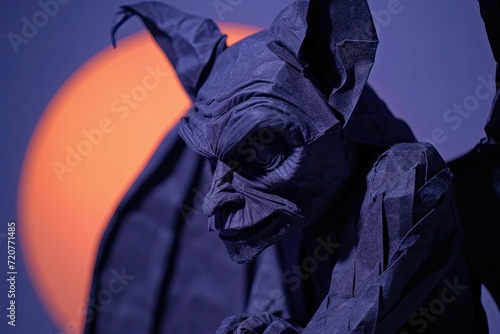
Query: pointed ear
{"points": [[191, 43], [333, 42]]}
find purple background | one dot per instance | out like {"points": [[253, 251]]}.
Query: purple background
{"points": [[431, 56]]}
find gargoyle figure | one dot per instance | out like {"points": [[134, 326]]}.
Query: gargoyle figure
{"points": [[336, 219]]}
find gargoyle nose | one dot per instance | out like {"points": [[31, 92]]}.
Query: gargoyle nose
{"points": [[221, 194]]}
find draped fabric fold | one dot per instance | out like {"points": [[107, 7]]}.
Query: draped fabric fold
{"points": [[405, 243]]}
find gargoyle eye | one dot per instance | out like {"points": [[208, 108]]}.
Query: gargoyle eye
{"points": [[261, 152]]}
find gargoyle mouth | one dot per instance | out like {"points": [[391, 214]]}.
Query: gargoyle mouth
{"points": [[244, 245]]}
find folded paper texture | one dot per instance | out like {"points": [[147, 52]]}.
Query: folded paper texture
{"points": [[335, 219]]}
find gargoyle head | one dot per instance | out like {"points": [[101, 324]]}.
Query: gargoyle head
{"points": [[269, 112]]}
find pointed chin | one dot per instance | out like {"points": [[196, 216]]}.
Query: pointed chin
{"points": [[245, 245]]}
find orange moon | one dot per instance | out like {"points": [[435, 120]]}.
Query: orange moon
{"points": [[93, 139]]}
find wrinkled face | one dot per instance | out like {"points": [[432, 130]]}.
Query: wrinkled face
{"points": [[267, 178], [268, 111], [276, 166]]}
